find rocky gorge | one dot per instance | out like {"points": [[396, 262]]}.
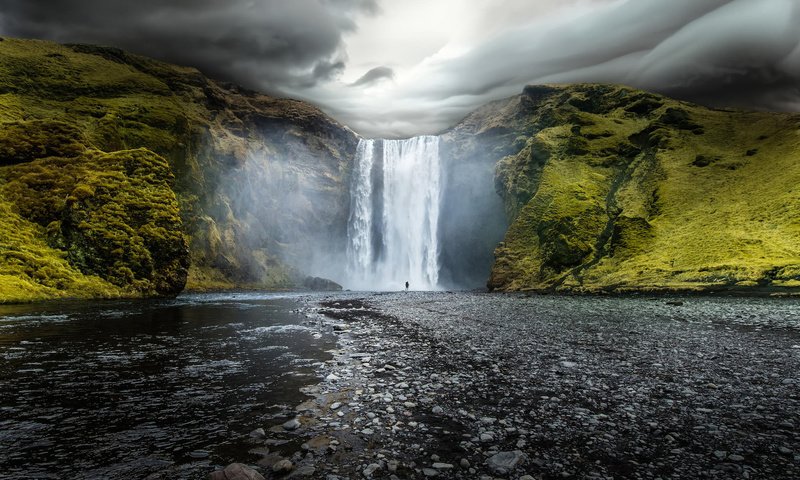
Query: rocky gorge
{"points": [[123, 176]]}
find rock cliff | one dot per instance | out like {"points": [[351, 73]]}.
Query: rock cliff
{"points": [[607, 188], [124, 176]]}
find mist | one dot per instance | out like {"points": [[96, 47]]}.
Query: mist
{"points": [[430, 215], [278, 208]]}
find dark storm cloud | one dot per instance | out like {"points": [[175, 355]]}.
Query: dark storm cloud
{"points": [[267, 44], [718, 52], [742, 53], [374, 75]]}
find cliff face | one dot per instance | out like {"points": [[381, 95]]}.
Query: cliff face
{"points": [[124, 176], [612, 189], [121, 175]]}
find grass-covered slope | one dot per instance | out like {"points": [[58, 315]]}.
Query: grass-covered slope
{"points": [[112, 164], [614, 189]]}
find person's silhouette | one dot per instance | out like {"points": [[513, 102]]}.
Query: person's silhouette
{"points": [[406, 286]]}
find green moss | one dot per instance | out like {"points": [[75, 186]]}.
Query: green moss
{"points": [[32, 270], [72, 121], [650, 194], [114, 215]]}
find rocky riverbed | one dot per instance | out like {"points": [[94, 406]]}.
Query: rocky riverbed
{"points": [[468, 385]]}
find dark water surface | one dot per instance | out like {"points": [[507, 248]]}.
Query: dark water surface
{"points": [[126, 389]]}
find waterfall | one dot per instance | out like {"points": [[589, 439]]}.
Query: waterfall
{"points": [[394, 215]]}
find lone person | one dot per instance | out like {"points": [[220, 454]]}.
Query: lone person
{"points": [[406, 286]]}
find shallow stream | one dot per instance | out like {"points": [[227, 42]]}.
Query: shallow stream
{"points": [[126, 389]]}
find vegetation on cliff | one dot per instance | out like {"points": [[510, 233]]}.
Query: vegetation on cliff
{"points": [[112, 164], [614, 189], [124, 176]]}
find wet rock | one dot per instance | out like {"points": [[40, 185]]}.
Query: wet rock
{"points": [[258, 433], [292, 424], [371, 469], [235, 471], [320, 284], [430, 472], [504, 462], [304, 471], [282, 466]]}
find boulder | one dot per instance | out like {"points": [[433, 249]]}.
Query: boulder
{"points": [[504, 462], [235, 471], [320, 284]]}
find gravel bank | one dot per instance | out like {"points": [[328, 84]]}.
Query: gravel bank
{"points": [[466, 385]]}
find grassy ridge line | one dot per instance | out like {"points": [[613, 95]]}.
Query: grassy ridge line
{"points": [[621, 190]]}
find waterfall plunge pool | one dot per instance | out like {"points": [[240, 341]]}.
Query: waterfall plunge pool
{"points": [[124, 389]]}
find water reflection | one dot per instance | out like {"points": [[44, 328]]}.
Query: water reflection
{"points": [[126, 389]]}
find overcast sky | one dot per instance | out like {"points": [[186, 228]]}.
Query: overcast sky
{"points": [[403, 67]]}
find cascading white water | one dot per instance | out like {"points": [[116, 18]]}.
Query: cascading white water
{"points": [[359, 225], [394, 213]]}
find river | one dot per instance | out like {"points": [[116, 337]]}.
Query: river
{"points": [[125, 389]]}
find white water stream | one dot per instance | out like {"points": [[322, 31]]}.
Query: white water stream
{"points": [[394, 214]]}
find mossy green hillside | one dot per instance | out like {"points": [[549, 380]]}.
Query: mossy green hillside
{"points": [[75, 110], [32, 270], [616, 189], [110, 215]]}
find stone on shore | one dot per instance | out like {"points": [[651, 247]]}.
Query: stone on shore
{"points": [[235, 471], [282, 466], [504, 462], [292, 424]]}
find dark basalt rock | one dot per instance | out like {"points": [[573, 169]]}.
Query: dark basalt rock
{"points": [[320, 284]]}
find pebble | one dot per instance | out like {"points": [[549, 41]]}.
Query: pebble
{"points": [[292, 424], [504, 462], [304, 471], [371, 468], [283, 465], [236, 471]]}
